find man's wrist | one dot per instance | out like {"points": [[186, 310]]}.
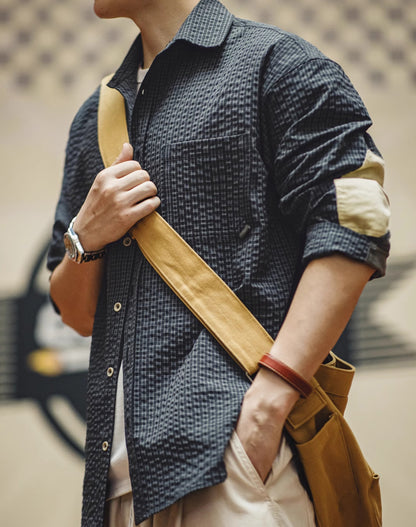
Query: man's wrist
{"points": [[75, 250], [89, 243], [274, 396], [286, 373]]}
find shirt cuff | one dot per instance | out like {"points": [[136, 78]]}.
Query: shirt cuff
{"points": [[325, 238]]}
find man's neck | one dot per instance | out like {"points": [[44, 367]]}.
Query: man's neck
{"points": [[159, 21]]}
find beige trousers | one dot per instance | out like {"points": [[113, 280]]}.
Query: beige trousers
{"points": [[242, 499]]}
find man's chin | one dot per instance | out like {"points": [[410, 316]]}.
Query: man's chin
{"points": [[104, 11]]}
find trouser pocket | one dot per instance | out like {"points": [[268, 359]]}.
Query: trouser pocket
{"points": [[283, 494]]}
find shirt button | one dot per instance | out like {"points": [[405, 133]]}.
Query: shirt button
{"points": [[105, 446], [110, 371], [142, 92], [117, 307], [127, 241]]}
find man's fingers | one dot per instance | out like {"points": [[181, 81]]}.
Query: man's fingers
{"points": [[144, 208], [126, 154], [133, 179], [141, 192], [120, 170]]}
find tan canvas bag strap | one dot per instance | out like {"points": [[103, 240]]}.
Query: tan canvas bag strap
{"points": [[196, 284], [112, 126], [203, 292]]}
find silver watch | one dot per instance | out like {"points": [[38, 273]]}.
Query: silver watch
{"points": [[75, 250]]}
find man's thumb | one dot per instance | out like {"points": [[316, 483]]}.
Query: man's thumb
{"points": [[126, 154]]}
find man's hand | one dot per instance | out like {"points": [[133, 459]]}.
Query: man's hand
{"points": [[265, 408], [322, 305], [120, 196]]}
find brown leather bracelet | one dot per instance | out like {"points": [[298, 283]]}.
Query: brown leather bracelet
{"points": [[287, 374]]}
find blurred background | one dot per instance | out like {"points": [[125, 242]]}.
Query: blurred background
{"points": [[53, 53]]}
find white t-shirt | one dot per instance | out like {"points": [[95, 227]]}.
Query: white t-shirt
{"points": [[118, 475]]}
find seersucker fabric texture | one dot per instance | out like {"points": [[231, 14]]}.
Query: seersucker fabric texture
{"points": [[243, 128]]}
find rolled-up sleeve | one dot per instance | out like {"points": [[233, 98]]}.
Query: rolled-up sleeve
{"points": [[327, 171]]}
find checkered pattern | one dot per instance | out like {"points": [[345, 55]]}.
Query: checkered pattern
{"points": [[56, 44], [372, 39], [59, 44], [240, 125]]}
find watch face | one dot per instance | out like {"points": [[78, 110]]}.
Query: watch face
{"points": [[70, 246]]}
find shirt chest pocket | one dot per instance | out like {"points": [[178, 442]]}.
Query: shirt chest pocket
{"points": [[205, 188]]}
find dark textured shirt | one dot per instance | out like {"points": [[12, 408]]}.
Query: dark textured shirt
{"points": [[243, 128]]}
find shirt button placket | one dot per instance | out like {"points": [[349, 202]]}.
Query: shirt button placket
{"points": [[110, 372]]}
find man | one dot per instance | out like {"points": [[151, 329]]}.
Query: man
{"points": [[253, 146]]}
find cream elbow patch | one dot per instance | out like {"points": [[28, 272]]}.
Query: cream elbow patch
{"points": [[372, 168], [362, 205]]}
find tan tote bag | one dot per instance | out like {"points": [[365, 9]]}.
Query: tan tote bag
{"points": [[344, 489]]}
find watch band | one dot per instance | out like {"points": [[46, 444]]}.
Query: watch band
{"points": [[90, 256], [75, 250]]}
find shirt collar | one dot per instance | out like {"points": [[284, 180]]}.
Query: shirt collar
{"points": [[207, 26], [127, 72]]}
